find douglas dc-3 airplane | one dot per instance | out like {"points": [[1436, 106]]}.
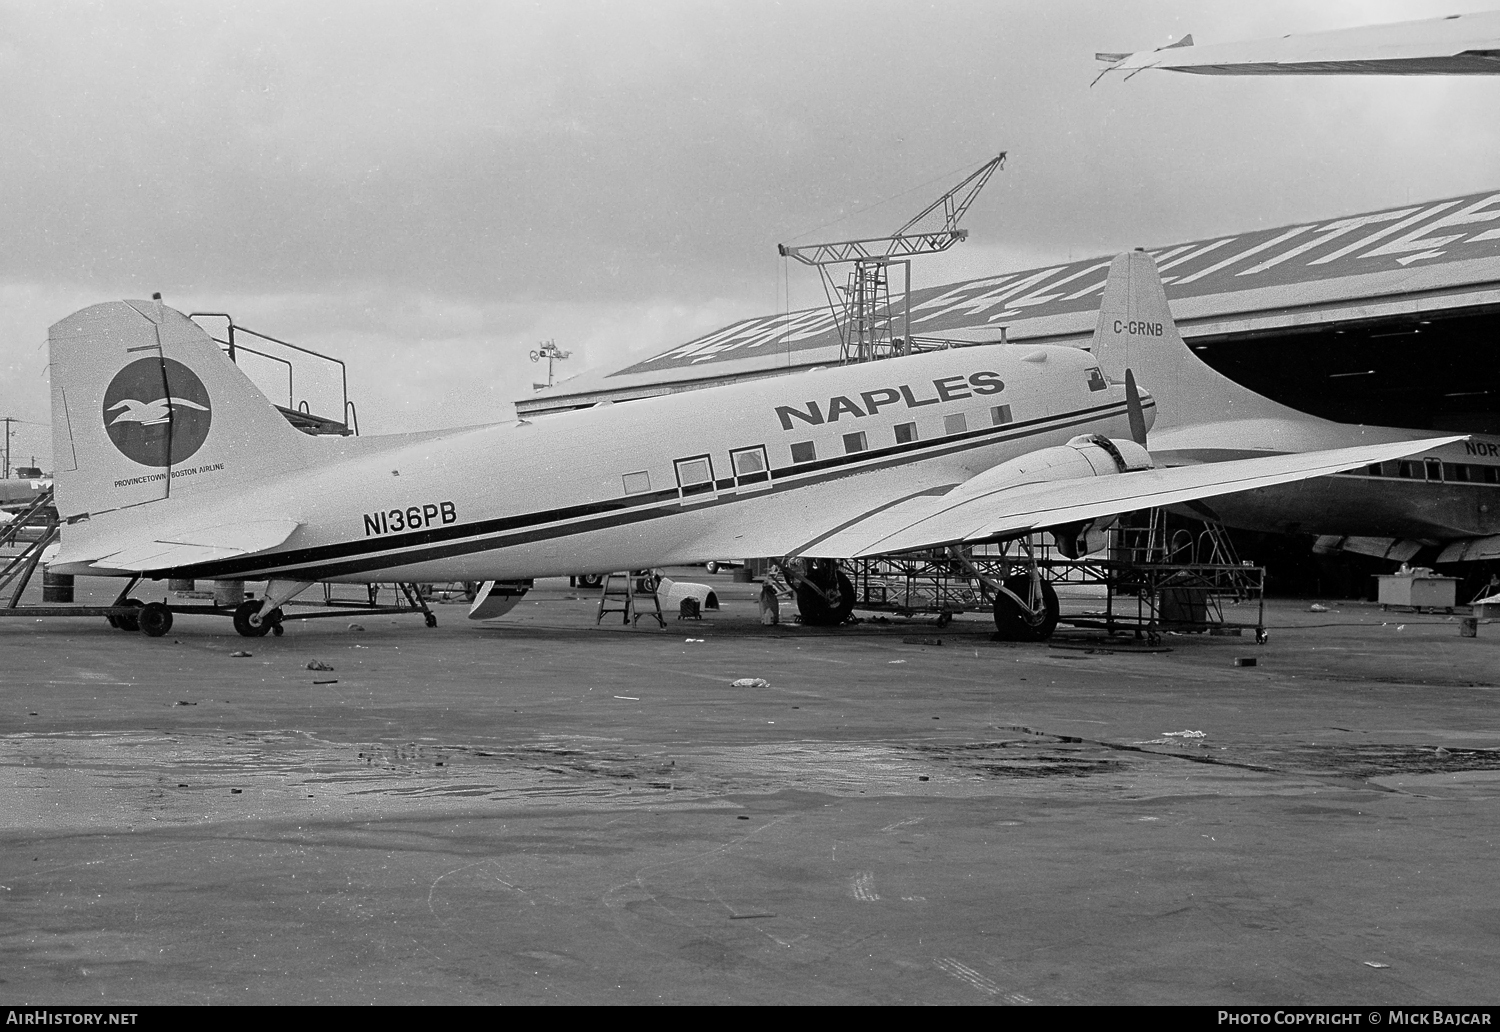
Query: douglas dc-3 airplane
{"points": [[945, 448]]}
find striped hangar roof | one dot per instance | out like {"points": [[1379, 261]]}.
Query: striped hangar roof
{"points": [[1423, 257]]}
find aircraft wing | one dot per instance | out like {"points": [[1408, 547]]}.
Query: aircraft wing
{"points": [[978, 511], [224, 541], [1460, 44]]}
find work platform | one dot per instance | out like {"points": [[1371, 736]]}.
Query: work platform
{"points": [[1149, 579]]}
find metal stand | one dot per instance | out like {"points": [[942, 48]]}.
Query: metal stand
{"points": [[622, 598]]}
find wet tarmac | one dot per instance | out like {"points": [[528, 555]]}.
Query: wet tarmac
{"points": [[546, 810]]}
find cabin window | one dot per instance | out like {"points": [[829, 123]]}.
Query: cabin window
{"points": [[955, 424], [750, 466], [906, 433], [1000, 415], [695, 476], [804, 452], [637, 483], [855, 442], [1410, 470], [1373, 469], [1097, 382], [1434, 469], [1490, 474], [1456, 471]]}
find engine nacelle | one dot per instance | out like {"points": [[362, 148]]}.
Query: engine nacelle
{"points": [[1088, 455]]}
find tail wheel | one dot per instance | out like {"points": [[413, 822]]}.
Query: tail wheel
{"points": [[245, 610], [1032, 622], [817, 610], [155, 619]]}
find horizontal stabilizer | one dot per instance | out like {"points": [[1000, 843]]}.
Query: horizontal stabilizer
{"points": [[976, 511], [199, 546], [1471, 550]]}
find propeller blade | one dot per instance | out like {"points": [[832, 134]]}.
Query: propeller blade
{"points": [[1133, 408]]}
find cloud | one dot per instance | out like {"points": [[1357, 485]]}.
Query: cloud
{"points": [[428, 190]]}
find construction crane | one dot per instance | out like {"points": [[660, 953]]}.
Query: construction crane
{"points": [[863, 311]]}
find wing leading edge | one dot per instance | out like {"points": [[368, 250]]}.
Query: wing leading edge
{"points": [[976, 511]]}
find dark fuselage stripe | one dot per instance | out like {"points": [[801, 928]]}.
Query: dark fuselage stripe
{"points": [[366, 554]]}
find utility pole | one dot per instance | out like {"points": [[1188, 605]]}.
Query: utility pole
{"points": [[7, 420], [552, 353]]}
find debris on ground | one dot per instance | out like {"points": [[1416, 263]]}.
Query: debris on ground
{"points": [[921, 641], [700, 640], [335, 681], [239, 655], [356, 627], [1375, 964], [1317, 607], [1244, 661], [182, 702], [318, 664], [751, 682], [1184, 734]]}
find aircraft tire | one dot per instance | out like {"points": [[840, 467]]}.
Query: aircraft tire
{"points": [[129, 623], [155, 619], [242, 614], [590, 580], [815, 610], [1013, 623]]}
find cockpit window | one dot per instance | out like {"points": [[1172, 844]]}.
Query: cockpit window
{"points": [[1097, 382]]}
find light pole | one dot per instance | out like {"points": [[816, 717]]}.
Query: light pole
{"points": [[7, 420], [552, 353]]}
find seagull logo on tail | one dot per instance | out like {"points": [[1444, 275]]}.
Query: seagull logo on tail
{"points": [[149, 413]]}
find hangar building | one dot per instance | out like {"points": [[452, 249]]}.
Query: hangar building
{"points": [[1390, 317]]}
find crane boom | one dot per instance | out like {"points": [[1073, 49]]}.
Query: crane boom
{"points": [[902, 243], [863, 311]]}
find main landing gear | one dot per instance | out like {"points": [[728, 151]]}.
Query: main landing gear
{"points": [[1026, 608], [825, 597]]}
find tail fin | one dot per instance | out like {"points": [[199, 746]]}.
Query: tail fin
{"points": [[145, 406], [1136, 332]]}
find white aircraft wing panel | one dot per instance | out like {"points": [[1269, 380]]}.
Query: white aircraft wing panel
{"points": [[976, 512], [1455, 45]]}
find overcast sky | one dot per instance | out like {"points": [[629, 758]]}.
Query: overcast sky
{"points": [[428, 189]]}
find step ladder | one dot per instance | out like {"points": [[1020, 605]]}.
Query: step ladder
{"points": [[624, 593]]}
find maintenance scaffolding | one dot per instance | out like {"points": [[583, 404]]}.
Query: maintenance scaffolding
{"points": [[1154, 578]]}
